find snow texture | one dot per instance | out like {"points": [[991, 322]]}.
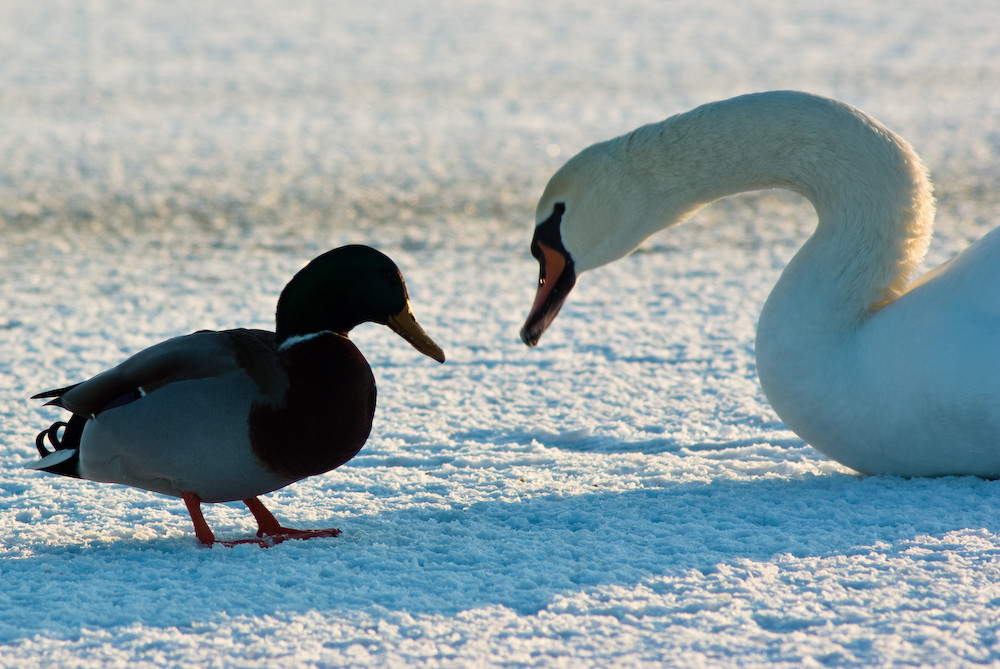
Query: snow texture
{"points": [[622, 495]]}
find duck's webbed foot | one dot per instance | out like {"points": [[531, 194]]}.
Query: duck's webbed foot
{"points": [[269, 532], [268, 526]]}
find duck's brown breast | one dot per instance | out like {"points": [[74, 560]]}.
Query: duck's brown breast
{"points": [[325, 414]]}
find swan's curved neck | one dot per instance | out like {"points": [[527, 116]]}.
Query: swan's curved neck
{"points": [[870, 191]]}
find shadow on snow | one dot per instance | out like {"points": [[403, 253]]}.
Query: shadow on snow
{"points": [[519, 555]]}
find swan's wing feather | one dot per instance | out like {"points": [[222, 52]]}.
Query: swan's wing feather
{"points": [[960, 283]]}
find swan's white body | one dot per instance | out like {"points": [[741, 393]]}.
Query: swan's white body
{"points": [[879, 375]]}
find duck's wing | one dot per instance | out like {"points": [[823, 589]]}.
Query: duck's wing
{"points": [[194, 356]]}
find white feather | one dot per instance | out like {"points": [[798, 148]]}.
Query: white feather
{"points": [[878, 374]]}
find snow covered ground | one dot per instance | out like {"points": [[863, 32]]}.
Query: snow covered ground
{"points": [[622, 495]]}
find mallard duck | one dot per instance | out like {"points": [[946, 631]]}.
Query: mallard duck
{"points": [[220, 416], [883, 374]]}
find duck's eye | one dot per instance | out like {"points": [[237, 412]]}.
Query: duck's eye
{"points": [[390, 276]]}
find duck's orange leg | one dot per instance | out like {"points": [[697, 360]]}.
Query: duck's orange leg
{"points": [[268, 525], [201, 528], [204, 532]]}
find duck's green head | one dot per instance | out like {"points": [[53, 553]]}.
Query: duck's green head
{"points": [[346, 287]]}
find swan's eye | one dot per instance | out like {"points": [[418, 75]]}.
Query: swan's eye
{"points": [[548, 235], [557, 211], [547, 232]]}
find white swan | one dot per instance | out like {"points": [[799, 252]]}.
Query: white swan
{"points": [[883, 376]]}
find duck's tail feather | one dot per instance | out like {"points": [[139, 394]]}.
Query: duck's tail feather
{"points": [[64, 458], [58, 392], [54, 396]]}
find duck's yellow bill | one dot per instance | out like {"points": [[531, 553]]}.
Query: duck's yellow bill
{"points": [[406, 326]]}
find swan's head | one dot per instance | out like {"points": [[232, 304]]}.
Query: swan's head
{"points": [[593, 211]]}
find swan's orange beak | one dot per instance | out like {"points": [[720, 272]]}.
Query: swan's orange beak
{"points": [[556, 278]]}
